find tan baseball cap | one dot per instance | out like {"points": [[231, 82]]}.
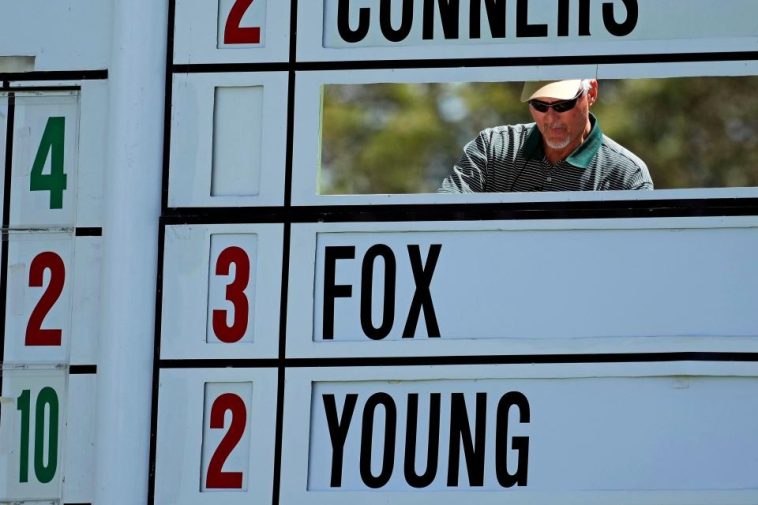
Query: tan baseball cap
{"points": [[558, 90]]}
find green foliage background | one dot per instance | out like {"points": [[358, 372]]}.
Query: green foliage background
{"points": [[403, 138]]}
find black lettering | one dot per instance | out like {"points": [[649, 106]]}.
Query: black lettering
{"points": [[432, 451], [523, 28], [385, 20], [343, 22], [332, 290], [460, 430], [367, 432], [449, 12], [367, 281], [422, 297], [427, 32], [495, 17], [475, 19], [584, 17], [520, 444], [338, 432], [625, 28], [563, 18]]}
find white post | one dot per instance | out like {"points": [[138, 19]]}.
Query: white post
{"points": [[136, 78]]}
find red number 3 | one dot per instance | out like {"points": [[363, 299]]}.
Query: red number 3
{"points": [[236, 34], [35, 334], [217, 478], [235, 293]]}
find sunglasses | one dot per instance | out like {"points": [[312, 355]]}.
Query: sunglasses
{"points": [[559, 107]]}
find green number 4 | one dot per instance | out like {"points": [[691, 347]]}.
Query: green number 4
{"points": [[52, 143]]}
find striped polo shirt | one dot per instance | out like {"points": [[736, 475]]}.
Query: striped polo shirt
{"points": [[512, 158]]}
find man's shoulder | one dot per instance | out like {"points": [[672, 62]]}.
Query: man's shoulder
{"points": [[510, 133], [620, 154], [509, 129], [626, 169]]}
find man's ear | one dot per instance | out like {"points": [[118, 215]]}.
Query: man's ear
{"points": [[592, 92]]}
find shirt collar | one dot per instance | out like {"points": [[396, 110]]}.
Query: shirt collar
{"points": [[580, 157]]}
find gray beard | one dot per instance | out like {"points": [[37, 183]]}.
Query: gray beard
{"points": [[559, 145]]}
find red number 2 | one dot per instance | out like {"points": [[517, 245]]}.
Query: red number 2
{"points": [[217, 478], [236, 34], [35, 334], [235, 293]]}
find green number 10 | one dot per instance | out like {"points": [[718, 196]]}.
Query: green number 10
{"points": [[47, 398], [52, 142]]}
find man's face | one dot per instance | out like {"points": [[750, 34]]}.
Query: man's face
{"points": [[564, 131]]}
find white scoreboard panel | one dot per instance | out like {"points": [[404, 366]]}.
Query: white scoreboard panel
{"points": [[226, 456], [523, 348], [52, 150], [226, 167], [69, 36], [562, 433], [224, 275], [361, 30], [468, 288]]}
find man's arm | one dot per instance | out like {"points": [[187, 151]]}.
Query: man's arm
{"points": [[469, 175], [641, 179], [621, 168]]}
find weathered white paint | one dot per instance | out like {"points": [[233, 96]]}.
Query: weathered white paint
{"points": [[132, 190]]}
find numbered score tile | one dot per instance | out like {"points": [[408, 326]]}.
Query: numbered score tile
{"points": [[613, 433], [52, 303], [32, 429], [38, 313], [74, 464], [221, 291], [231, 31], [216, 435], [227, 146], [45, 157], [226, 436]]}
